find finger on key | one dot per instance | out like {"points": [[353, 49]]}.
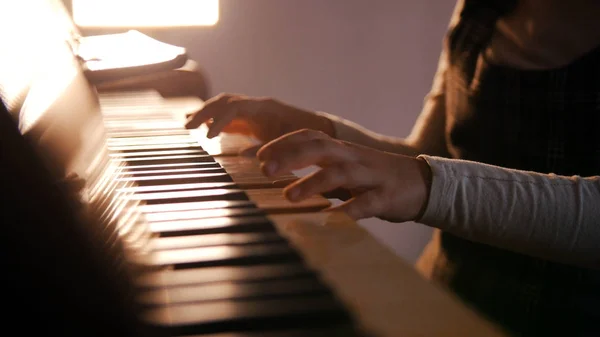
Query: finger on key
{"points": [[212, 107], [366, 205], [348, 175], [221, 121], [238, 126]]}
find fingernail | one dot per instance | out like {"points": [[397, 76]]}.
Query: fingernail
{"points": [[271, 167]]}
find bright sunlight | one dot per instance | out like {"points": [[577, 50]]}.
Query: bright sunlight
{"points": [[145, 13]]}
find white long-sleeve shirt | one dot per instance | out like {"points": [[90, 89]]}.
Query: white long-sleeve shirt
{"points": [[540, 214]]}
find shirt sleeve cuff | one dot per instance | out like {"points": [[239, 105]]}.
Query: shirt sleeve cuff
{"points": [[439, 202]]}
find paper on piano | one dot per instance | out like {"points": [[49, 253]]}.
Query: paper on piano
{"points": [[113, 56]]}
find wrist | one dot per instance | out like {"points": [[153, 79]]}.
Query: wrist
{"points": [[326, 123], [425, 179]]}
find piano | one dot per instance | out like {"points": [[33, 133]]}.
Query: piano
{"points": [[173, 234]]}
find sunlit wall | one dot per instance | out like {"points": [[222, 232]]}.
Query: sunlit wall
{"points": [[145, 13]]}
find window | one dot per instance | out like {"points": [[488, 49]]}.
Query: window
{"points": [[145, 13]]}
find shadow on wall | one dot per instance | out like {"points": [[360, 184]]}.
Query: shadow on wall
{"points": [[371, 61]]}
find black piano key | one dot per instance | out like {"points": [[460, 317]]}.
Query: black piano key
{"points": [[174, 159], [336, 330], [142, 130], [125, 135], [171, 179], [165, 152], [134, 128], [122, 145], [195, 206], [198, 210], [179, 187], [154, 147], [189, 196], [171, 171], [155, 141], [132, 116], [146, 133], [223, 256], [227, 316], [166, 166], [181, 277], [207, 240], [245, 224], [232, 291], [133, 120], [123, 117], [153, 125], [202, 214]]}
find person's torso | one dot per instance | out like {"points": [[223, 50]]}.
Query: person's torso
{"points": [[544, 34], [543, 120]]}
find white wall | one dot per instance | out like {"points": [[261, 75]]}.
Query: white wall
{"points": [[371, 61]]}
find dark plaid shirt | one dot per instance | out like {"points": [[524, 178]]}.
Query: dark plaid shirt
{"points": [[546, 121]]}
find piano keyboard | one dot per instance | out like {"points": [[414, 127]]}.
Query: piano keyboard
{"points": [[217, 261]]}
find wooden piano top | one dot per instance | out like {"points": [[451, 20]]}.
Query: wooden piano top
{"points": [[387, 294]]}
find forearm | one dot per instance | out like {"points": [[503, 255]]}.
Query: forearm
{"points": [[548, 216], [427, 136], [354, 133]]}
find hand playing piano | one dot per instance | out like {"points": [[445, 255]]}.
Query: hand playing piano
{"points": [[262, 118], [382, 184]]}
